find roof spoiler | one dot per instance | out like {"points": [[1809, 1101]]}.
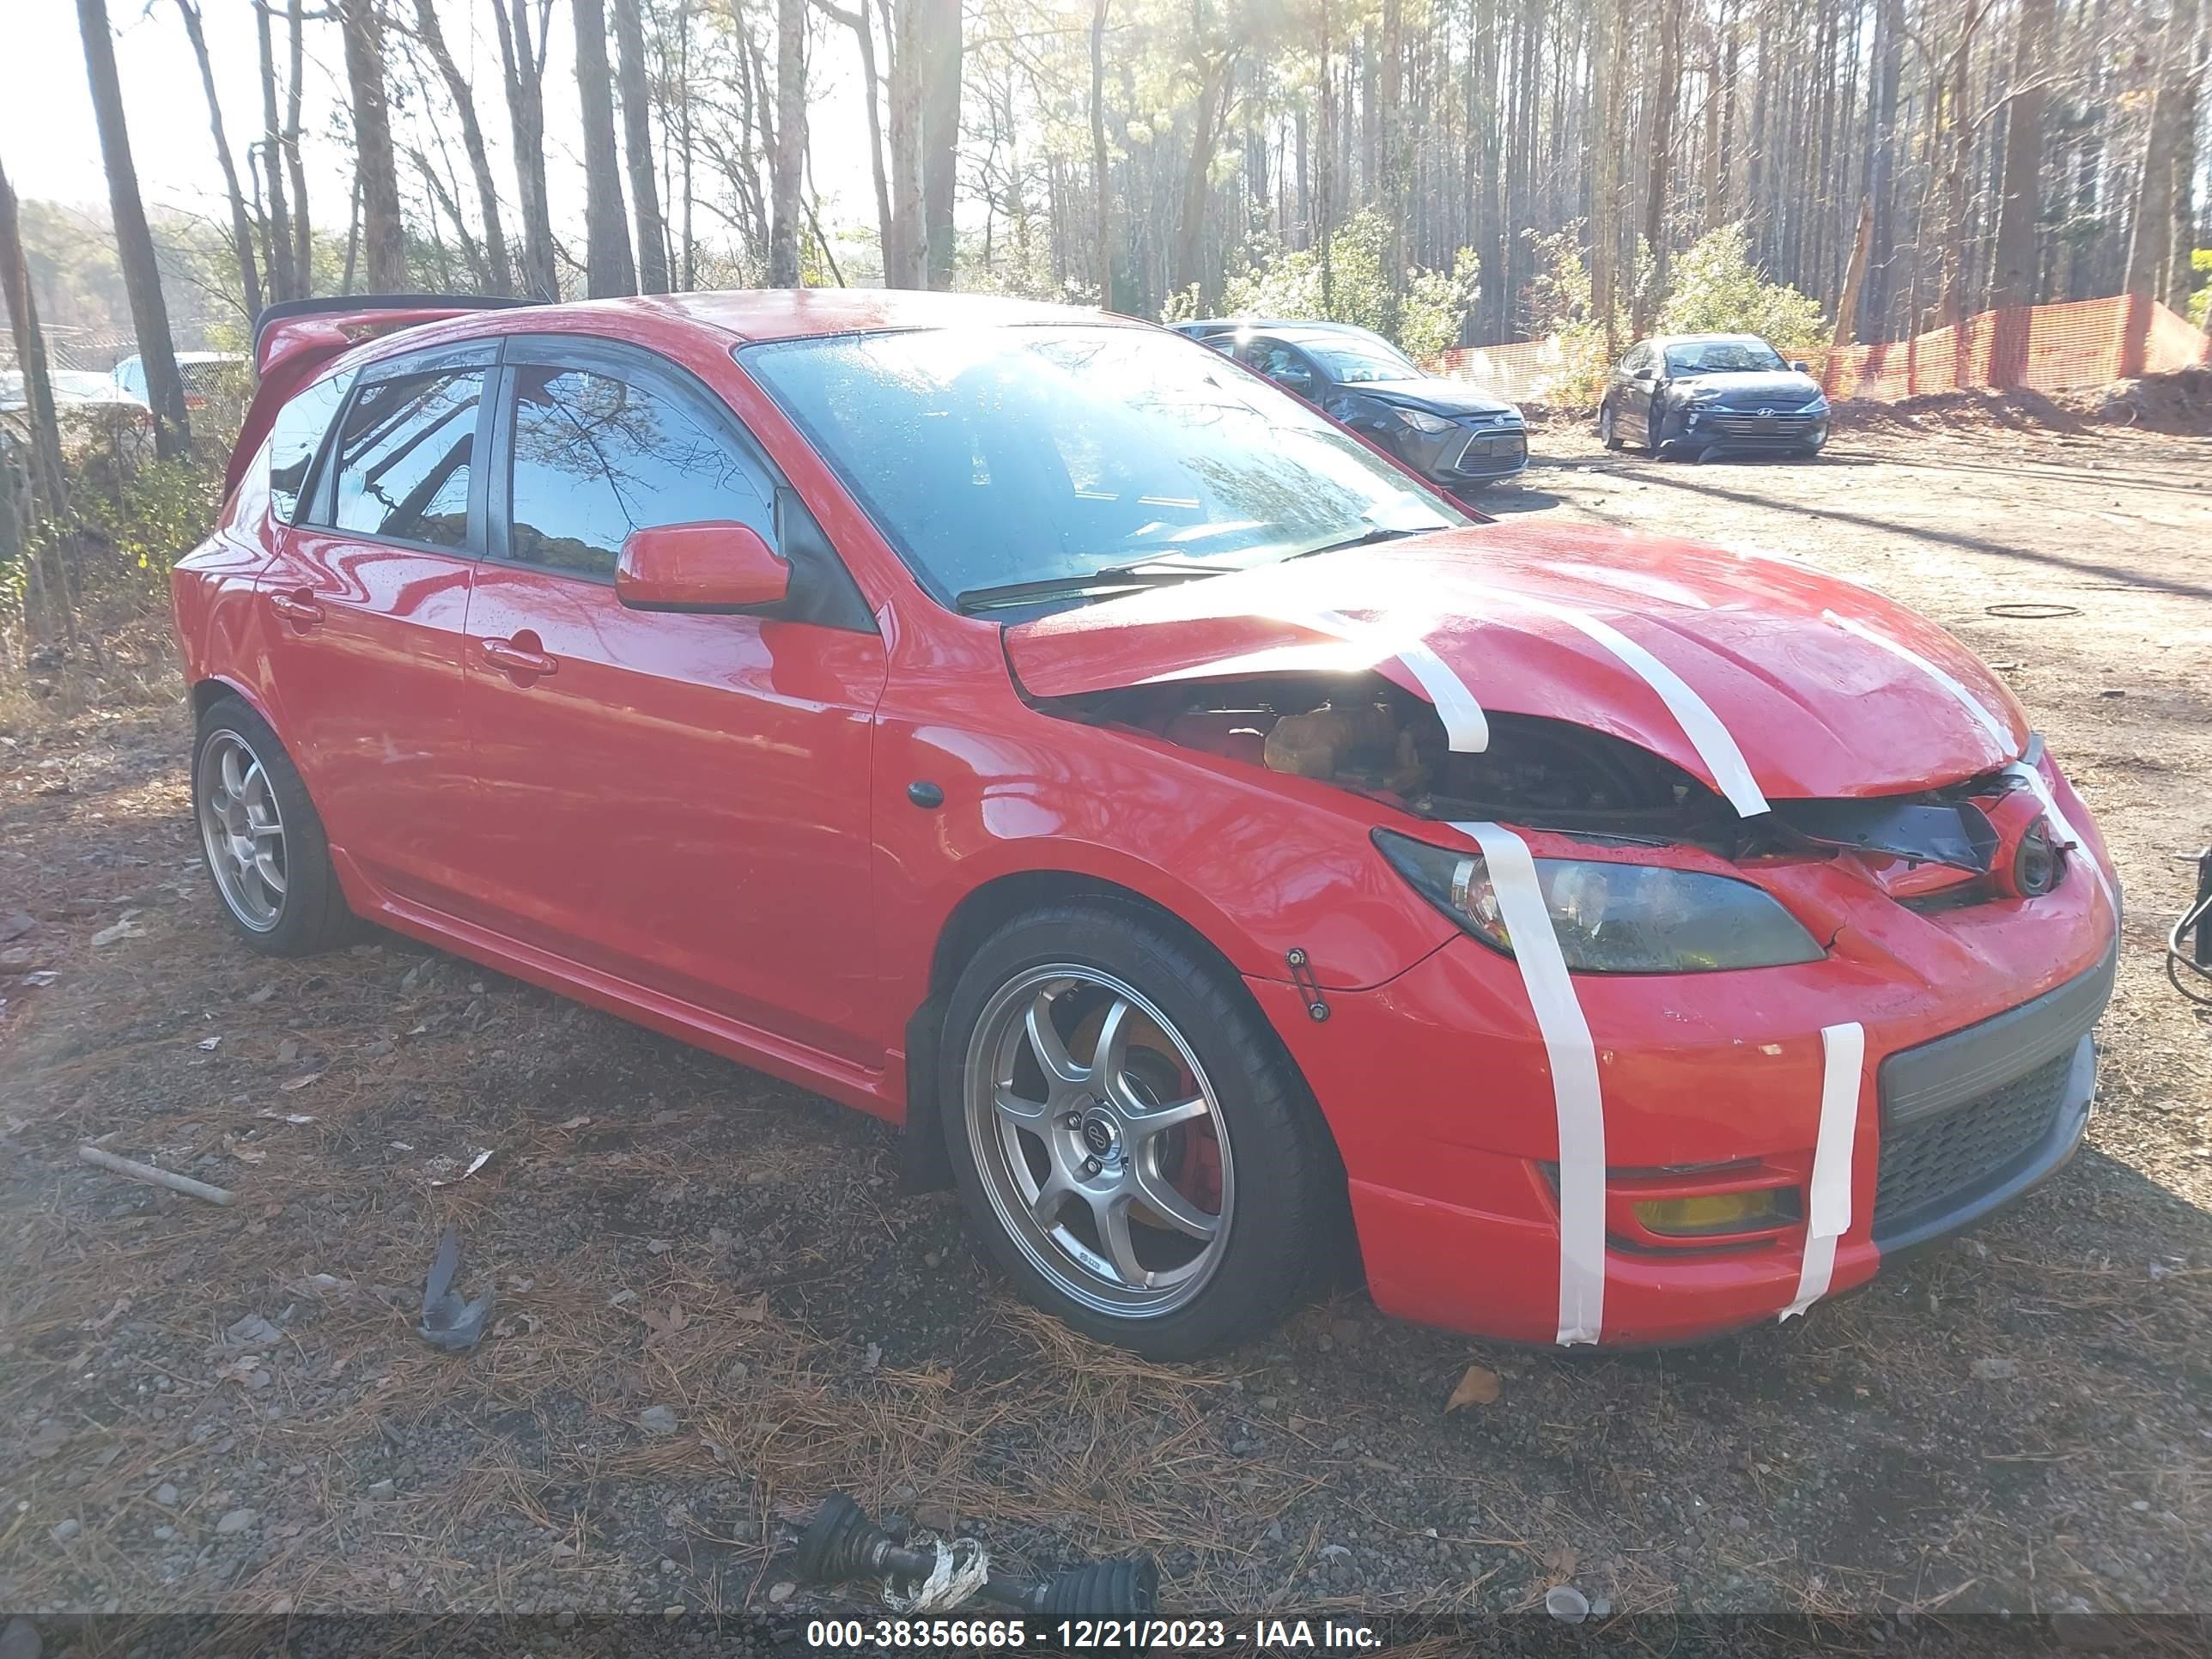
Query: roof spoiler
{"points": [[294, 338], [364, 314]]}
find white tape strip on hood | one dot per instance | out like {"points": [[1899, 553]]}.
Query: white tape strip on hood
{"points": [[1575, 1097], [1466, 729], [1715, 744], [1828, 1213], [2000, 733]]}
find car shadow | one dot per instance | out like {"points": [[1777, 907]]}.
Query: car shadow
{"points": [[1508, 501]]}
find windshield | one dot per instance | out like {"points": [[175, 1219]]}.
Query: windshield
{"points": [[995, 456], [1358, 362], [1722, 357]]}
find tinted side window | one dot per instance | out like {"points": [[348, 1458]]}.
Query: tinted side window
{"points": [[404, 459], [596, 457], [295, 436]]}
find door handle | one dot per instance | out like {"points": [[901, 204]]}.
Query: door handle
{"points": [[297, 609], [517, 658]]}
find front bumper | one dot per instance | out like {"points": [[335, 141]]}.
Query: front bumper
{"points": [[1438, 1090], [1477, 450], [1747, 431]]}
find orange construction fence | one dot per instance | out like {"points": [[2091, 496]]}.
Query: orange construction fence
{"points": [[2053, 348]]}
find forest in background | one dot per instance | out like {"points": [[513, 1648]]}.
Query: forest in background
{"points": [[1452, 171]]}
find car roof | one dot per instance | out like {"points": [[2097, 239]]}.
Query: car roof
{"points": [[758, 314], [1697, 339]]}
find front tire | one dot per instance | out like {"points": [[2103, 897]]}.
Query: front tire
{"points": [[1135, 1148], [1609, 432], [264, 842]]}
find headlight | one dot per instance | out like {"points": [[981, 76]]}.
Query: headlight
{"points": [[1818, 406], [1421, 421], [1615, 918]]}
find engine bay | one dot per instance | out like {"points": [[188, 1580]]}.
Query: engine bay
{"points": [[1365, 734]]}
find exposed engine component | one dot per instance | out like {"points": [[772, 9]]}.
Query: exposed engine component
{"points": [[1970, 843], [1365, 734]]}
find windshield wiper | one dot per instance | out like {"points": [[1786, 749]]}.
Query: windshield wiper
{"points": [[1367, 539], [1113, 578]]}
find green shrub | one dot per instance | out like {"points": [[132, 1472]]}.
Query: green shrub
{"points": [[1289, 283], [1716, 289]]}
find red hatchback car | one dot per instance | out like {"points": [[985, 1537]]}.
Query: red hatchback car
{"points": [[1034, 727]]}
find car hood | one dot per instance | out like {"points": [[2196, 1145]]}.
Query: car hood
{"points": [[1779, 388], [1445, 397], [1820, 688]]}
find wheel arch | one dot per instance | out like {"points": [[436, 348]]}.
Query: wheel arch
{"points": [[979, 913], [206, 693]]}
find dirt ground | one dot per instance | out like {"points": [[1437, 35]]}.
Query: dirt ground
{"points": [[715, 1303]]}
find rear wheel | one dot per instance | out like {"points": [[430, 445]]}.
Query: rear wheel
{"points": [[263, 840], [1135, 1148]]}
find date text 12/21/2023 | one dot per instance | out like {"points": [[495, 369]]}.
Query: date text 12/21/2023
{"points": [[1089, 1635]]}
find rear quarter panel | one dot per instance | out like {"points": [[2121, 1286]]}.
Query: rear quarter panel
{"points": [[211, 592]]}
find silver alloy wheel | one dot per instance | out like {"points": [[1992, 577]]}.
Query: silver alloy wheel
{"points": [[242, 830], [1081, 1158]]}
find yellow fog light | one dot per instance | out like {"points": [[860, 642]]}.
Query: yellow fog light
{"points": [[1714, 1212]]}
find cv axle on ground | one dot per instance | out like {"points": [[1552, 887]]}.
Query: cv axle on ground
{"points": [[843, 1544]]}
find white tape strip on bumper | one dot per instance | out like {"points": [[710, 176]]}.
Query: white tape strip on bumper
{"points": [[1828, 1213], [1573, 1058]]}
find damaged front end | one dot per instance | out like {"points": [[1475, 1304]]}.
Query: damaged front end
{"points": [[1981, 839]]}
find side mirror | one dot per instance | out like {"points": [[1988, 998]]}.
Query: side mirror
{"points": [[1802, 369], [716, 565]]}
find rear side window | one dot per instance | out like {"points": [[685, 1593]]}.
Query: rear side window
{"points": [[295, 437], [596, 456], [405, 456]]}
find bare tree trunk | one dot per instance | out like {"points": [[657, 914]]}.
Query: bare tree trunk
{"points": [[384, 242], [637, 147], [303, 240], [1607, 79], [277, 245], [862, 25], [241, 223], [49, 483], [1662, 144], [1104, 215], [905, 262], [134, 242], [683, 138], [787, 157], [941, 135], [432, 36], [2188, 84], [443, 200], [522, 67], [1190, 260], [608, 268], [1847, 308]]}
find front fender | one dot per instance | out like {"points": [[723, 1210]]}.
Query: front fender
{"points": [[1259, 865]]}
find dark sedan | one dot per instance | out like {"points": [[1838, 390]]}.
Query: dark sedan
{"points": [[1707, 394], [1450, 433]]}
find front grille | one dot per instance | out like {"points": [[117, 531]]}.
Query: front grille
{"points": [[1780, 426], [1931, 1163], [1494, 452]]}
